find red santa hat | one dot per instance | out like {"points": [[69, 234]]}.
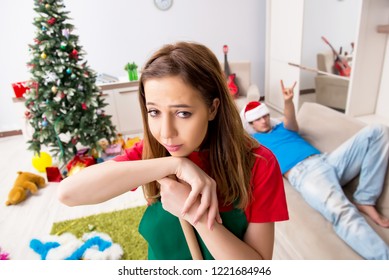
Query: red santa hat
{"points": [[255, 110]]}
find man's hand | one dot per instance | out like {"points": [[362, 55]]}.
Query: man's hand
{"points": [[288, 92], [290, 121]]}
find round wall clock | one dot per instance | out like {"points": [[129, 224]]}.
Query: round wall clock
{"points": [[163, 5]]}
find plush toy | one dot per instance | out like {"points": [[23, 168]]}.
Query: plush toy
{"points": [[3, 255], [25, 183], [92, 246]]}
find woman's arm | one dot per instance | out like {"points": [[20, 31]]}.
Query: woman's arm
{"points": [[100, 182]]}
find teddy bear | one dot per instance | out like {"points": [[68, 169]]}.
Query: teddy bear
{"points": [[25, 183]]}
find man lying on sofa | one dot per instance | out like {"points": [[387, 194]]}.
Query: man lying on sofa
{"points": [[319, 177]]}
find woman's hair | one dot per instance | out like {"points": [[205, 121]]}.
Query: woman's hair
{"points": [[230, 147]]}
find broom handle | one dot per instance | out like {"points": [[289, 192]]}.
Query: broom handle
{"points": [[189, 234], [191, 239]]}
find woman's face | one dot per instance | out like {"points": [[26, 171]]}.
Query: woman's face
{"points": [[177, 116]]}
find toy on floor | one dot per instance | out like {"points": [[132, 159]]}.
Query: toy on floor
{"points": [[3, 255], [92, 246], [25, 183]]}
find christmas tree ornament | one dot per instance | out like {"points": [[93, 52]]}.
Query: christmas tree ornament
{"points": [[74, 54], [84, 107], [63, 46], [44, 123], [27, 114], [54, 89], [66, 33], [73, 76], [69, 71], [50, 77], [44, 28], [47, 6], [51, 21], [43, 56]]}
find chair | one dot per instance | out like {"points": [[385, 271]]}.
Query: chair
{"points": [[330, 91]]}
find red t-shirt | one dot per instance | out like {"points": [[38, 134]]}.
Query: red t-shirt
{"points": [[269, 200]]}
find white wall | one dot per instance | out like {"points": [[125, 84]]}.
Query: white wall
{"points": [[115, 32]]}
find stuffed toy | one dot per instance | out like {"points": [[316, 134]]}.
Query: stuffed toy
{"points": [[25, 183], [3, 255], [92, 246]]}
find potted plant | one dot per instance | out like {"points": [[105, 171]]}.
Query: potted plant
{"points": [[132, 70]]}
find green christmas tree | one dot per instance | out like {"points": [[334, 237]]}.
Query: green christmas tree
{"points": [[64, 106]]}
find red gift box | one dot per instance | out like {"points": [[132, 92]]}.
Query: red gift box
{"points": [[85, 160], [20, 88]]}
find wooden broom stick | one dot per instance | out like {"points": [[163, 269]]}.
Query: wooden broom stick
{"points": [[189, 234], [318, 71], [191, 239]]}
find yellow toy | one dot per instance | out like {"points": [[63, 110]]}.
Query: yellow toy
{"points": [[24, 183]]}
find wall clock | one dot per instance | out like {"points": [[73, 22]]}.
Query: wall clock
{"points": [[163, 5]]}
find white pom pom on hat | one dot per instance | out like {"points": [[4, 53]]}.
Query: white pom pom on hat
{"points": [[255, 110]]}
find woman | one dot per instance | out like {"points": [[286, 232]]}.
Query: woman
{"points": [[195, 162]]}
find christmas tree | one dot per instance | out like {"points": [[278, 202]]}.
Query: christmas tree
{"points": [[64, 106]]}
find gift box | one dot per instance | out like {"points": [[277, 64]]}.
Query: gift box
{"points": [[20, 88], [113, 150], [53, 174], [79, 162]]}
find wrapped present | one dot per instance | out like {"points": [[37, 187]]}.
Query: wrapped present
{"points": [[79, 162], [20, 88], [131, 142], [53, 174]]}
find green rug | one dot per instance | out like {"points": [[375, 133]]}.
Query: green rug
{"points": [[121, 226]]}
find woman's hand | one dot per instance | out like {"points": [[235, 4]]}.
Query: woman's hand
{"points": [[173, 196], [202, 188]]}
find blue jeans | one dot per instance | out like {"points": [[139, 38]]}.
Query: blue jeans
{"points": [[320, 178]]}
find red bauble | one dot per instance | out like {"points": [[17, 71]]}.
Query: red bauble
{"points": [[74, 54], [51, 21], [84, 107]]}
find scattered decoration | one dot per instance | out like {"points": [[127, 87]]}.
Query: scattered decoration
{"points": [[20, 88], [79, 162], [3, 255], [131, 142], [40, 162], [25, 184], [53, 174], [92, 246]]}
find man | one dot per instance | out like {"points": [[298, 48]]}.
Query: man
{"points": [[319, 177]]}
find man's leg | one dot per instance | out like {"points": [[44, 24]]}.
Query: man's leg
{"points": [[318, 184], [366, 154]]}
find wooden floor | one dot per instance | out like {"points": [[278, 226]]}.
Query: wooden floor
{"points": [[34, 217]]}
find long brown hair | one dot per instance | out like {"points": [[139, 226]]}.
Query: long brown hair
{"points": [[230, 147]]}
